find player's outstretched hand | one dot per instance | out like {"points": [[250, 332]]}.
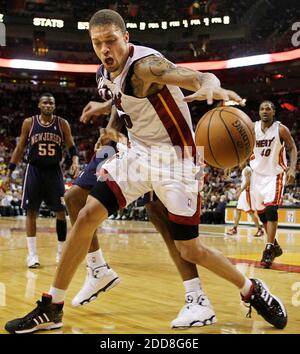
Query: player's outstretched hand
{"points": [[74, 170], [238, 193], [95, 109], [290, 177], [6, 183], [214, 93], [110, 134]]}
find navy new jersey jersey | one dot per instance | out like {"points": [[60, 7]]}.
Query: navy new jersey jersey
{"points": [[45, 142]]}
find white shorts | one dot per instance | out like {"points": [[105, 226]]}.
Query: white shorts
{"points": [[132, 173], [245, 202], [267, 190]]}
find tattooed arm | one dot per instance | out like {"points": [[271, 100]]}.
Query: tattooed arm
{"points": [[158, 70], [114, 121], [95, 109], [112, 131]]}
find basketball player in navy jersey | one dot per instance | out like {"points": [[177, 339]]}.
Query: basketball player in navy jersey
{"points": [[45, 135], [146, 92]]}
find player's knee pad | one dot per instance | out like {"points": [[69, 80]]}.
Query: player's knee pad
{"points": [[182, 232], [272, 213], [61, 229], [102, 192], [263, 217]]}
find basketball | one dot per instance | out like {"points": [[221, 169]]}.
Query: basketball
{"points": [[227, 135]]}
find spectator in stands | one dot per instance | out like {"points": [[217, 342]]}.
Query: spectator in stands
{"points": [[219, 213]]}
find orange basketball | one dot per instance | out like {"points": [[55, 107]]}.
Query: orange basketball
{"points": [[227, 135]]}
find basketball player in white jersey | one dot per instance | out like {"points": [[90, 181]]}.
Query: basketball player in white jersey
{"points": [[100, 277], [270, 173], [246, 204], [146, 93]]}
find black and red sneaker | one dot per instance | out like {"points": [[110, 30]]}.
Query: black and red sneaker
{"points": [[45, 316], [277, 249], [259, 232], [269, 306], [268, 256], [232, 231]]}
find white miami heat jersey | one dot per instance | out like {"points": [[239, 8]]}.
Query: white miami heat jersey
{"points": [[269, 153], [245, 171], [161, 119]]}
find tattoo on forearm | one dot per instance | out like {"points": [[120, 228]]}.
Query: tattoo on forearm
{"points": [[185, 72], [160, 66]]}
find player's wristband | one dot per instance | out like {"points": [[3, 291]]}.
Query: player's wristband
{"points": [[73, 151], [12, 166]]}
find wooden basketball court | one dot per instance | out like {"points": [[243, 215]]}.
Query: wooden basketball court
{"points": [[151, 292]]}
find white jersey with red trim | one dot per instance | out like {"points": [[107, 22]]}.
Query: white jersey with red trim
{"points": [[245, 198], [156, 124], [269, 156], [159, 120], [246, 170]]}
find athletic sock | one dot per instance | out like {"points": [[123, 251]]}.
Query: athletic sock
{"points": [[58, 295], [31, 245], [95, 259], [245, 290]]}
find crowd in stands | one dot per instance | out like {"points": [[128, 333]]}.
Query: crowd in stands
{"points": [[137, 10], [140, 10], [267, 30], [20, 102]]}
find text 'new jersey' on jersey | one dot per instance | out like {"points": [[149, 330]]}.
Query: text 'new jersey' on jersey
{"points": [[45, 142], [269, 156], [159, 120]]}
